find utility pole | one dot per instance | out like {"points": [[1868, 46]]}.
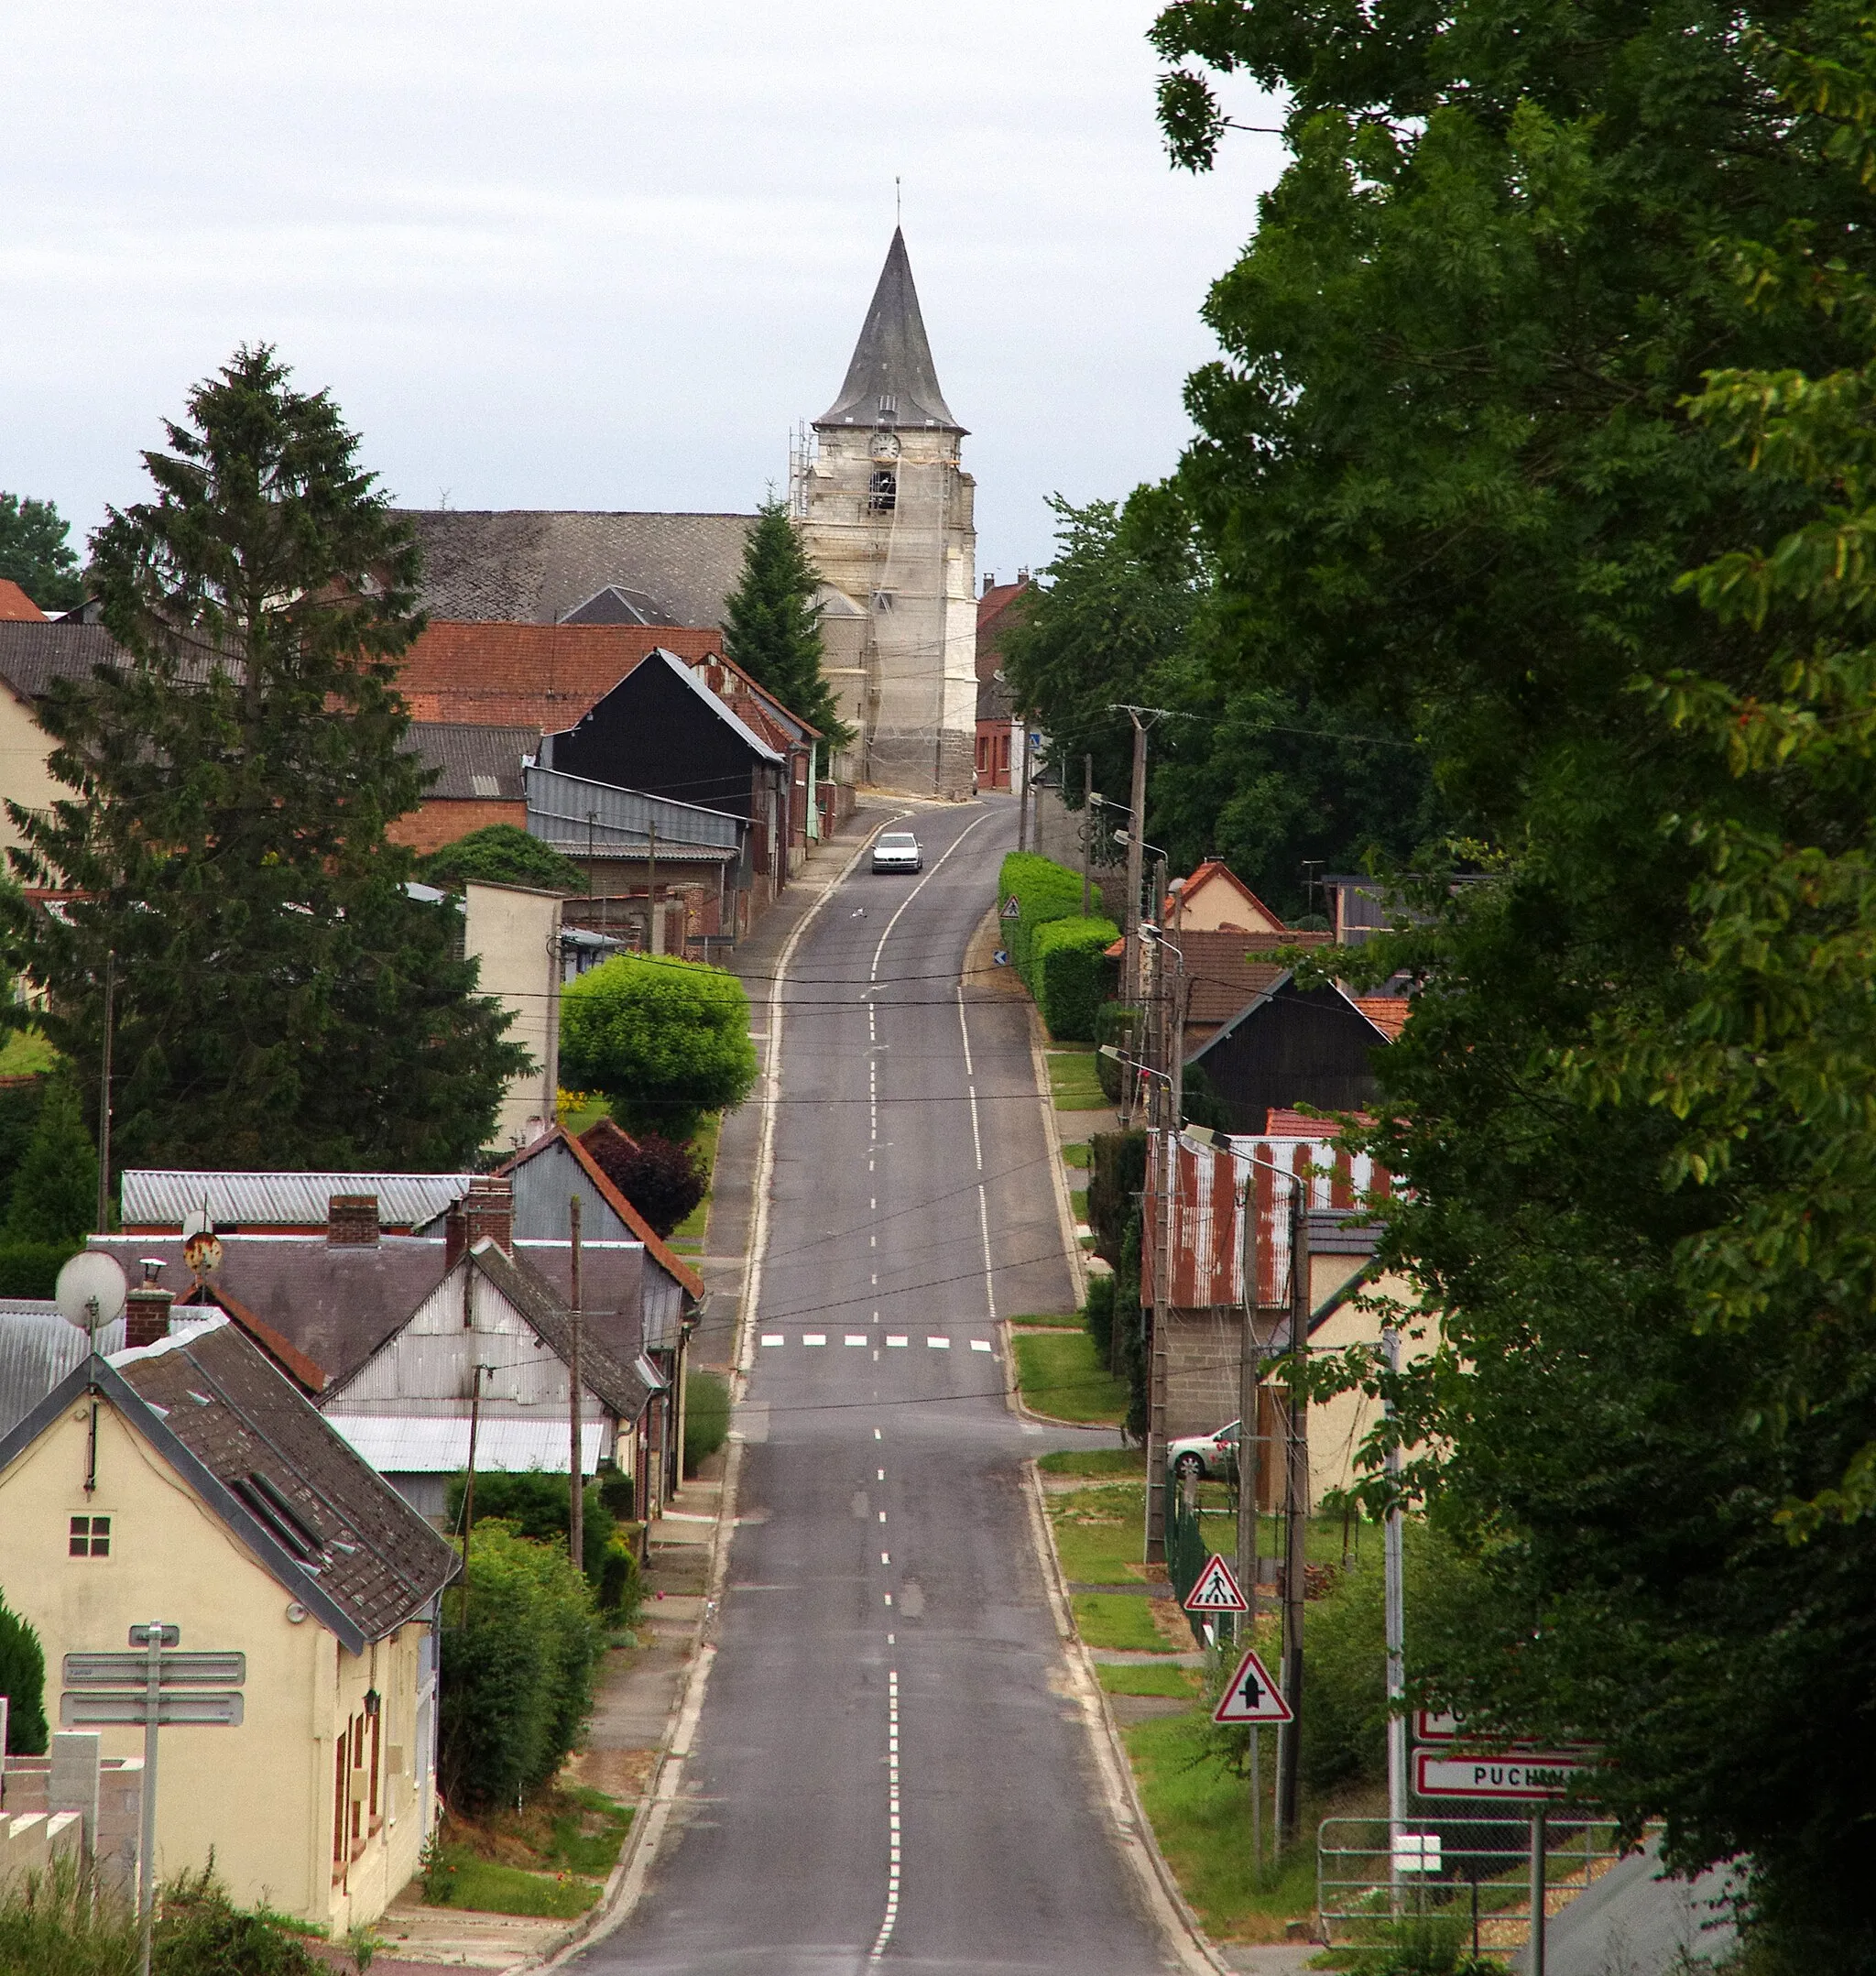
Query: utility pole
{"points": [[1249, 1479], [1136, 845], [1397, 1655], [576, 1504], [1163, 1143], [1175, 1036], [1296, 1521], [1022, 790], [104, 1098], [651, 942], [1087, 833], [469, 1481]]}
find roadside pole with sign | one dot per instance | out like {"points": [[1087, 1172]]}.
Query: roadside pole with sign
{"points": [[156, 1685], [1518, 1774]]}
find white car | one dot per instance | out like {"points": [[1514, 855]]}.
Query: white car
{"points": [[1205, 1457], [897, 850]]}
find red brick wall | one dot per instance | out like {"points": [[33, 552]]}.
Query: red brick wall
{"points": [[442, 820]]}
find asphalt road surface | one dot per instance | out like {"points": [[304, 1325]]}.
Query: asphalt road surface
{"points": [[886, 1773]]}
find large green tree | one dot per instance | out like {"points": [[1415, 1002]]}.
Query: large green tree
{"points": [[771, 624], [1271, 777], [1465, 441], [280, 998], [35, 554]]}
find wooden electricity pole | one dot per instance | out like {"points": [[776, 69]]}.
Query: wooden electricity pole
{"points": [[576, 1503], [1087, 833], [1296, 1519], [104, 1098]]}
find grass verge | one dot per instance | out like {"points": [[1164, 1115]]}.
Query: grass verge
{"points": [[1118, 1620], [487, 1888], [1053, 1320], [1078, 1203], [548, 1860], [1072, 1083], [695, 1225], [1060, 1375], [1078, 1153], [1098, 1534], [1095, 1461], [1174, 1683]]}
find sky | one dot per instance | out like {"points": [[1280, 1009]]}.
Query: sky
{"points": [[571, 254]]}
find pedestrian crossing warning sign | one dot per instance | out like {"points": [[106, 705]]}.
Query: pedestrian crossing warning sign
{"points": [[1250, 1695], [1216, 1590], [1012, 908]]}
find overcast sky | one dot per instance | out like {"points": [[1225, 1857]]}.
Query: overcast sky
{"points": [[568, 254]]}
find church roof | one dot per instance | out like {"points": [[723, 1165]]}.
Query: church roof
{"points": [[537, 565], [892, 369]]}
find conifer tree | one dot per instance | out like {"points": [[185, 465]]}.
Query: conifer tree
{"points": [[773, 625], [55, 1191], [23, 1682], [281, 999]]}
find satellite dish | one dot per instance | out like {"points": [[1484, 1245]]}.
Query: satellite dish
{"points": [[198, 1221], [91, 1290]]}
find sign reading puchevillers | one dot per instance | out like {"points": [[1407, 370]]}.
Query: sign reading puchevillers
{"points": [[1531, 1776]]}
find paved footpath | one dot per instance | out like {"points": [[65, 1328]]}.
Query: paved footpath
{"points": [[888, 1770]]}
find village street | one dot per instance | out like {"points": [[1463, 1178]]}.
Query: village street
{"points": [[886, 1763]]}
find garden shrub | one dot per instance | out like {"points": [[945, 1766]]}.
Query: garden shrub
{"points": [[535, 1501], [1117, 1178], [1043, 891], [1115, 1023], [615, 1492], [663, 1180], [1097, 1315], [202, 1933], [31, 1269], [23, 1682], [516, 1679], [1072, 974], [706, 1417]]}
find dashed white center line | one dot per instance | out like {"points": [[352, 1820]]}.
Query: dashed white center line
{"points": [[980, 1344]]}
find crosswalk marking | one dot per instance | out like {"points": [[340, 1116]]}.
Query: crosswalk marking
{"points": [[939, 1344], [856, 1337], [813, 1338], [773, 1338], [896, 1341], [980, 1344]]}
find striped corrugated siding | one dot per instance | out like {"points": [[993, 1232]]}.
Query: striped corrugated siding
{"points": [[163, 1198], [37, 1349], [1207, 1200]]}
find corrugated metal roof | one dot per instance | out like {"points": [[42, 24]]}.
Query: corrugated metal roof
{"points": [[163, 1197], [396, 1444], [474, 761], [37, 1349]]}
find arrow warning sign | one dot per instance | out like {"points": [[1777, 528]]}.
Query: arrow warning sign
{"points": [[1250, 1695], [1216, 1589]]}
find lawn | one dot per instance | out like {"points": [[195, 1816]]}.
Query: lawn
{"points": [[1061, 1376], [1054, 1320], [1095, 1461], [692, 1228], [1079, 1155], [1171, 1684], [490, 1889], [1072, 1083], [1118, 1620], [1098, 1534], [570, 1835], [1200, 1815]]}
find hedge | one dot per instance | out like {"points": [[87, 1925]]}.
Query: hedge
{"points": [[1072, 976], [1043, 891]]}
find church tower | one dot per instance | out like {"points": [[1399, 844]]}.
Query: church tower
{"points": [[885, 511]]}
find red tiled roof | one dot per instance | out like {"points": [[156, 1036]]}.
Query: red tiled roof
{"points": [[1389, 1013], [1215, 868], [16, 606], [539, 676]]}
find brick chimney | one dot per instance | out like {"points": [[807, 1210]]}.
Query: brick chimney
{"points": [[147, 1307], [489, 1208], [352, 1220]]}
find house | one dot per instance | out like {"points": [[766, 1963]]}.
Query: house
{"points": [[161, 1201], [1213, 899], [515, 934], [1000, 733], [210, 1494], [545, 1176], [478, 772], [38, 1350], [1194, 1362], [16, 606], [1290, 1044], [490, 1351]]}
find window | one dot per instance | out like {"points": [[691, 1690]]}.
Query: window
{"points": [[883, 491], [91, 1536]]}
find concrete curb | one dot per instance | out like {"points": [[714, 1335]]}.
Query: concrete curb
{"points": [[1077, 1262], [1133, 1829]]}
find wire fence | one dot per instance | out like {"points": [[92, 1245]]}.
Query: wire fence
{"points": [[1475, 1873]]}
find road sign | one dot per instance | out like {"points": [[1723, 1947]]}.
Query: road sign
{"points": [[174, 1670], [79, 1708], [1216, 1589], [1417, 1852], [1250, 1695], [168, 1636], [1529, 1776], [1434, 1725], [1000, 957], [1012, 908]]}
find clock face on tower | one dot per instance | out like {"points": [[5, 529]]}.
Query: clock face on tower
{"points": [[885, 446]]}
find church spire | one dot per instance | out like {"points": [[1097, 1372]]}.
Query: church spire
{"points": [[892, 372]]}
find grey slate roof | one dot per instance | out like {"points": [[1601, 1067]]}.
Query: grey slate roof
{"points": [[893, 358], [535, 565], [33, 656], [474, 761], [331, 1529], [38, 1348]]}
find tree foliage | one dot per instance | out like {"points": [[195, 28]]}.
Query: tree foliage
{"points": [[773, 625], [1547, 311], [516, 1679], [663, 1180], [281, 999], [55, 1189], [663, 1040], [23, 1682], [1265, 776], [35, 554], [501, 853]]}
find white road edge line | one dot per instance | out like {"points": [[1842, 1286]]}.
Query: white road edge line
{"points": [[1132, 1832]]}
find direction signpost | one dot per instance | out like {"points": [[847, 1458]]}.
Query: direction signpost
{"points": [[153, 1686]]}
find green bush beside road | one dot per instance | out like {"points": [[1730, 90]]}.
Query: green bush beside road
{"points": [[1071, 975]]}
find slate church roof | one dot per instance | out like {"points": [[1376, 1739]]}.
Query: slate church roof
{"points": [[538, 565], [891, 367]]}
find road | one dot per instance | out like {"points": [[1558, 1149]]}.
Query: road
{"points": [[887, 1773]]}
